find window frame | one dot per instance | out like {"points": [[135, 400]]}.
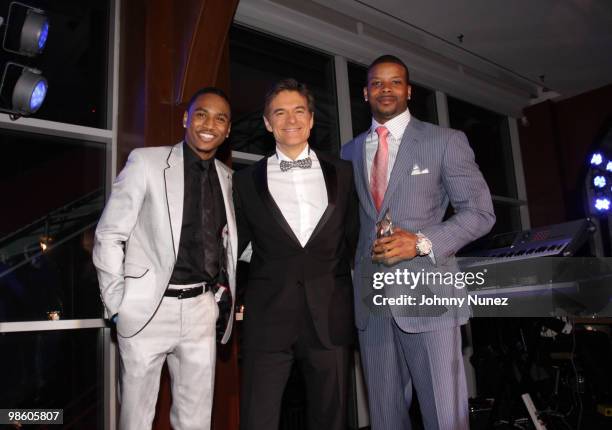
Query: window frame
{"points": [[107, 136]]}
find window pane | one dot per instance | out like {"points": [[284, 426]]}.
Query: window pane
{"points": [[55, 370], [422, 103], [74, 61], [55, 192], [508, 218], [256, 62], [489, 137]]}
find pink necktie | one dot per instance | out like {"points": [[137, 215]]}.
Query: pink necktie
{"points": [[378, 178]]}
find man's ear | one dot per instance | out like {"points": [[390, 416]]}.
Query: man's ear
{"points": [[185, 117], [268, 126], [365, 93]]}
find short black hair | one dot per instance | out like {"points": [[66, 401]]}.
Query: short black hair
{"points": [[208, 90], [389, 59], [289, 84]]}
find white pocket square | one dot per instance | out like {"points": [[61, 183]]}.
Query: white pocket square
{"points": [[417, 171]]}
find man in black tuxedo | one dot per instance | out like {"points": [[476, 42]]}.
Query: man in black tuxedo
{"points": [[298, 208]]}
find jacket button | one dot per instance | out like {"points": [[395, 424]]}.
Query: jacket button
{"points": [[300, 284]]}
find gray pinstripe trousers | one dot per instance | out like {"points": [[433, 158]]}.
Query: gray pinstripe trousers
{"points": [[394, 361]]}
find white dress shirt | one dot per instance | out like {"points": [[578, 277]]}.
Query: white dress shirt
{"points": [[300, 194], [396, 127]]}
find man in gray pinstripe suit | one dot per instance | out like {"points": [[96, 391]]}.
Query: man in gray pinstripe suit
{"points": [[412, 170]]}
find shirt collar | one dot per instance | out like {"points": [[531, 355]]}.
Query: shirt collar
{"points": [[191, 158], [305, 153], [396, 126], [189, 154]]}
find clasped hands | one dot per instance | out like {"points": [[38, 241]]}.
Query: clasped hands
{"points": [[401, 245]]}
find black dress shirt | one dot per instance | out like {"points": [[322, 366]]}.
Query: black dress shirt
{"points": [[189, 267]]}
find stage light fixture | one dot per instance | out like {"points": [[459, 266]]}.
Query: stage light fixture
{"points": [[596, 159], [22, 87], [598, 177], [34, 33], [28, 92], [602, 204], [27, 30], [599, 181]]}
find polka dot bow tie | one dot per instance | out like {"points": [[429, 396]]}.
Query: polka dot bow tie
{"points": [[304, 163]]}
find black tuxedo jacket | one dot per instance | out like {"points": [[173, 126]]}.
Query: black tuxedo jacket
{"points": [[289, 283]]}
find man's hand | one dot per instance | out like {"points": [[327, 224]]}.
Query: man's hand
{"points": [[223, 297], [401, 245]]}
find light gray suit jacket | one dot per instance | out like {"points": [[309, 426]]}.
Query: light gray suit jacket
{"points": [[418, 202], [138, 235]]}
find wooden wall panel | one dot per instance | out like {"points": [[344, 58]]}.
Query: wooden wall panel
{"points": [[160, 67], [131, 123], [169, 49], [542, 167]]}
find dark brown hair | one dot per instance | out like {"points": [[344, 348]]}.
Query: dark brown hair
{"points": [[288, 84]]}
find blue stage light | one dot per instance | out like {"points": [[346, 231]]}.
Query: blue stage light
{"points": [[602, 204], [26, 32], [42, 38], [29, 92], [599, 181], [34, 32], [39, 93], [596, 159]]}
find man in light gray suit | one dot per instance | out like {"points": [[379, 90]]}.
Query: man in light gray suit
{"points": [[412, 170], [166, 241]]}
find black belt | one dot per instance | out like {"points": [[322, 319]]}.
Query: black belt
{"points": [[187, 293]]}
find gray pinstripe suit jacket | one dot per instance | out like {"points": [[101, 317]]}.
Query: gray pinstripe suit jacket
{"points": [[418, 203]]}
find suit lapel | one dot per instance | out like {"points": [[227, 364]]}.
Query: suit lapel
{"points": [[330, 176], [404, 160], [362, 175], [225, 180], [174, 179], [260, 176]]}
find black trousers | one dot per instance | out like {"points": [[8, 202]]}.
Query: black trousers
{"points": [[265, 375]]}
